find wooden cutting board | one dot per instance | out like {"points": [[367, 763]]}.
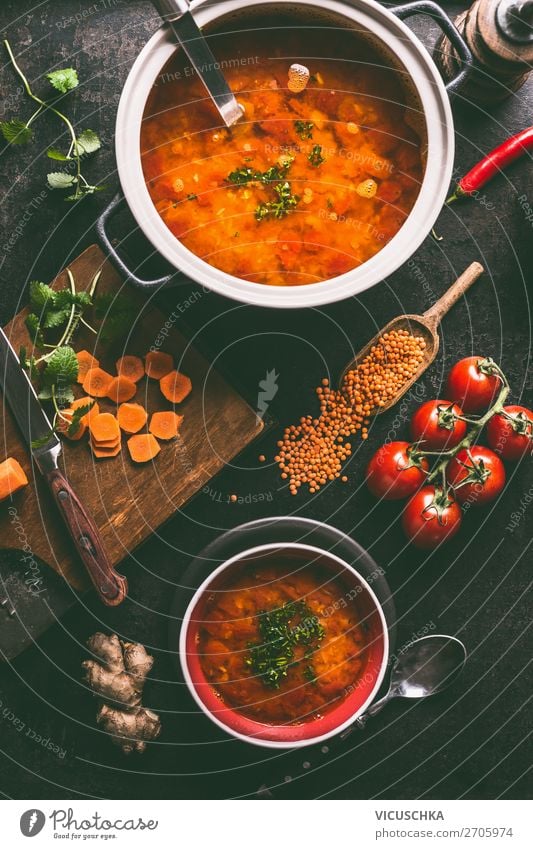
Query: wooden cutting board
{"points": [[128, 501]]}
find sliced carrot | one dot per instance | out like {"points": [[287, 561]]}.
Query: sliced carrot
{"points": [[165, 425], [157, 364], [12, 477], [105, 452], [86, 361], [97, 382], [121, 389], [105, 443], [104, 427], [175, 386], [143, 447], [84, 402], [130, 366], [131, 417], [64, 425]]}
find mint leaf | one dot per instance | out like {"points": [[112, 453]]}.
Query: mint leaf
{"points": [[87, 142], [54, 153], [41, 296], [61, 369], [33, 326], [63, 80], [16, 132], [60, 180], [64, 298], [55, 318]]}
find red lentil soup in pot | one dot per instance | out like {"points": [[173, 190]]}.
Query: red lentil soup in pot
{"points": [[319, 174]]}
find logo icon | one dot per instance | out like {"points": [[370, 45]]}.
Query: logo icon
{"points": [[268, 388], [32, 822]]}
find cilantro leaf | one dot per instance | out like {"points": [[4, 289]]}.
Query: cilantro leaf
{"points": [[87, 142], [61, 369], [63, 80], [41, 296], [16, 132], [60, 180]]}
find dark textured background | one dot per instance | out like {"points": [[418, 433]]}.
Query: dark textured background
{"points": [[469, 742]]}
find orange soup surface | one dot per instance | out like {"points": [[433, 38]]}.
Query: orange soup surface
{"points": [[282, 648], [307, 185]]}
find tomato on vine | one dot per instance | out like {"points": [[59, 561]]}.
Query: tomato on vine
{"points": [[436, 425], [473, 382], [476, 474], [431, 517], [395, 471], [510, 432]]}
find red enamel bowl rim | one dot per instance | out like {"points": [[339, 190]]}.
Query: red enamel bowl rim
{"points": [[283, 736]]}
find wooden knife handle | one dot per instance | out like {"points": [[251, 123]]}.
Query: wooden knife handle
{"points": [[110, 586]]}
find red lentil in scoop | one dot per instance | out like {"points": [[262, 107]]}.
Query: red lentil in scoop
{"points": [[313, 451]]}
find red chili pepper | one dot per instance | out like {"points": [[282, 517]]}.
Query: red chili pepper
{"points": [[493, 164]]}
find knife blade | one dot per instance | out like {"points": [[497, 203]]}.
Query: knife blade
{"points": [[45, 449], [177, 14]]}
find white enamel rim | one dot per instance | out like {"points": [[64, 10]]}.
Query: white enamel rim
{"points": [[440, 154], [308, 549]]}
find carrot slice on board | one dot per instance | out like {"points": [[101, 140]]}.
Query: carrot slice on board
{"points": [[165, 424], [105, 443], [143, 447], [157, 364], [105, 452], [175, 386], [104, 427], [130, 366], [65, 422], [131, 417], [97, 382], [86, 361], [12, 477], [85, 402], [121, 389]]}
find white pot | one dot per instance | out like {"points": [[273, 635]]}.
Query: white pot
{"points": [[429, 90]]}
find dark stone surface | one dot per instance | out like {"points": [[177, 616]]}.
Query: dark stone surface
{"points": [[469, 742]]}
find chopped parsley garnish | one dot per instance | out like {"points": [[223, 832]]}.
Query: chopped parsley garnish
{"points": [[315, 157], [304, 129], [192, 196], [280, 632], [278, 208], [245, 175]]}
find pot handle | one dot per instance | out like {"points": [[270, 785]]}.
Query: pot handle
{"points": [[107, 246], [427, 7]]}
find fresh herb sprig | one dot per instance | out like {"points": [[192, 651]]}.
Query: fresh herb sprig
{"points": [[19, 132], [279, 208], [304, 129], [315, 157], [280, 632], [243, 176]]}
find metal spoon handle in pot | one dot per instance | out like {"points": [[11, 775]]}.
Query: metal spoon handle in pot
{"points": [[177, 14]]}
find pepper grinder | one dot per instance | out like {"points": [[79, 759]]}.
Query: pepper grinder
{"points": [[500, 36]]}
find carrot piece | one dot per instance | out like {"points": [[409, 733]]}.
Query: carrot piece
{"points": [[64, 425], [175, 386], [165, 424], [131, 417], [97, 382], [121, 389], [105, 443], [130, 366], [157, 364], [105, 452], [12, 477], [143, 447], [86, 361], [84, 402], [104, 427]]}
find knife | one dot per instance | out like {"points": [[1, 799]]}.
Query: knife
{"points": [[45, 449], [177, 14]]}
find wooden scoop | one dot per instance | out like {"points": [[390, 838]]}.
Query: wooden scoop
{"points": [[425, 325]]}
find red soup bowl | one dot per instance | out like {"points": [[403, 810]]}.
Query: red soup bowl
{"points": [[356, 696]]}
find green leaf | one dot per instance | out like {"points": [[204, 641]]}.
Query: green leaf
{"points": [[63, 80], [45, 393], [61, 369], [41, 296], [55, 318], [65, 298], [78, 414], [39, 443], [87, 142], [60, 180], [64, 397], [54, 153], [33, 326], [16, 132]]}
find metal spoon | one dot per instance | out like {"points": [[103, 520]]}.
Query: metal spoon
{"points": [[177, 14], [425, 667]]}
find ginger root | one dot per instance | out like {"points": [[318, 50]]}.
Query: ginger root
{"points": [[117, 678]]}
